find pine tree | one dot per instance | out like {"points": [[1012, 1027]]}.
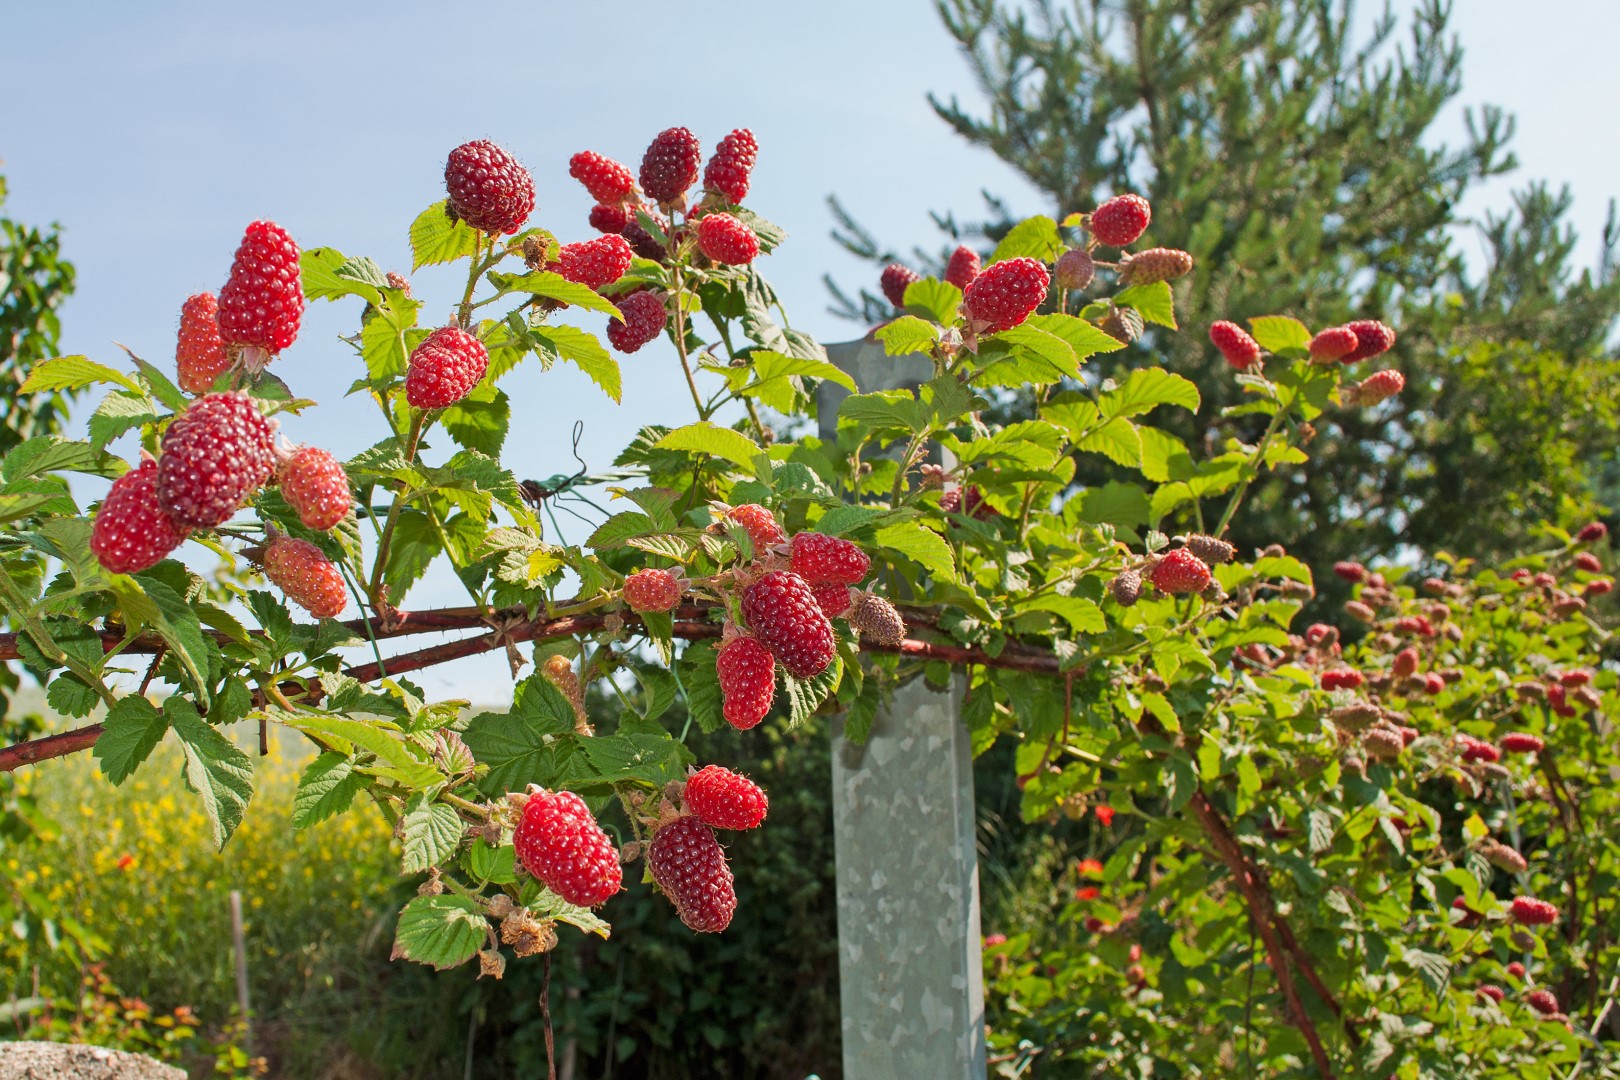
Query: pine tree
{"points": [[34, 281], [1302, 134]]}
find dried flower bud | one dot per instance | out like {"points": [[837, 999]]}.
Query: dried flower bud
{"points": [[1126, 587], [491, 963]]}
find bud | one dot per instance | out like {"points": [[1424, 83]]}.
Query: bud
{"points": [[1209, 550], [1213, 593], [1126, 587], [1503, 857], [875, 618], [1360, 612], [1383, 742], [1565, 606], [1122, 324], [491, 963], [1356, 716], [1155, 264], [1074, 270]]}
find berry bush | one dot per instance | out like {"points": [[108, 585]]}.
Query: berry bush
{"points": [[1314, 848]]}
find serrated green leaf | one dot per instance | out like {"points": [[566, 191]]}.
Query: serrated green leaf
{"points": [[555, 287], [73, 373], [1117, 440], [1033, 238], [1279, 333], [430, 831], [1154, 302], [132, 729], [1146, 389], [436, 239], [215, 769], [439, 931], [119, 412], [706, 438], [1082, 615], [804, 696], [480, 420], [1047, 348], [921, 545], [326, 788], [847, 518], [933, 299], [486, 862], [408, 768], [905, 335], [696, 673], [586, 353], [515, 744], [1083, 337]]}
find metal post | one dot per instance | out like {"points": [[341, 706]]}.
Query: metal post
{"points": [[239, 945], [909, 961]]}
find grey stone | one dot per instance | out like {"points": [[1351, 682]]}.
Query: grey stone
{"points": [[72, 1061]]}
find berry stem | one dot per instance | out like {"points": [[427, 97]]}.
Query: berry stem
{"points": [[1253, 472], [470, 808], [680, 340], [394, 508]]}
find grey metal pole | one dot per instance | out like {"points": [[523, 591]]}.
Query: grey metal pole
{"points": [[910, 969], [239, 947]]}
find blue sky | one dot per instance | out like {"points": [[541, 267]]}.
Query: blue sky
{"points": [[155, 132]]}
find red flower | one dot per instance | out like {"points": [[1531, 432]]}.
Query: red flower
{"points": [[1089, 866], [125, 861], [1105, 814]]}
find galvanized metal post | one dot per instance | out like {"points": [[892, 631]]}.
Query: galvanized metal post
{"points": [[908, 878]]}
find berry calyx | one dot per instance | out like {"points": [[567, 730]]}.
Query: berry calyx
{"points": [[262, 302], [894, 281], [199, 354], [760, 524], [731, 165], [1005, 294], [215, 455], [689, 865], [444, 368], [310, 580], [131, 531], [782, 612], [1180, 571], [606, 179], [1121, 220], [963, 267], [725, 239], [670, 165], [1333, 344], [1373, 338], [1533, 912], [1240, 350], [488, 188], [828, 560], [314, 484], [562, 846], [652, 589], [747, 673], [643, 319], [724, 800], [595, 263]]}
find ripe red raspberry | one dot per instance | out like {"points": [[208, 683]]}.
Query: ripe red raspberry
{"points": [[1372, 339], [1542, 1001], [1006, 294], [611, 218], [1492, 992], [782, 613], [604, 178], [1585, 560], [642, 241], [1516, 970], [595, 263], [644, 319], [263, 300], [1600, 587], [1180, 571], [1592, 532], [895, 280], [1352, 572], [726, 240], [761, 525], [1075, 269], [1475, 750], [1557, 697], [689, 864], [1406, 663], [1342, 679], [828, 560], [722, 799], [1240, 350], [131, 532], [876, 620], [670, 165], [1521, 742], [728, 170], [489, 189], [561, 845], [444, 368], [1318, 633], [1414, 624], [199, 355], [1333, 344], [1379, 386], [833, 600], [963, 267], [1433, 683], [1121, 220], [1533, 912], [1577, 677], [215, 455], [747, 672], [315, 485], [310, 580], [652, 590], [1154, 264]]}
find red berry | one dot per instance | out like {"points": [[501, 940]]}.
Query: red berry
{"points": [[760, 524], [215, 455], [1333, 344], [1005, 294], [1074, 269], [1121, 220], [895, 280], [1558, 699], [728, 170], [604, 178], [670, 165], [1521, 742], [689, 864], [1240, 350], [1379, 386], [833, 600], [315, 485], [612, 218], [1600, 587], [782, 613], [1406, 663], [642, 241], [1350, 571], [644, 319], [1577, 677], [131, 532], [561, 845], [263, 300], [489, 189], [967, 501], [1533, 912], [726, 240], [1516, 970], [1585, 560], [652, 590], [1372, 339], [1317, 633], [444, 368], [310, 580], [747, 672], [1592, 532], [199, 355], [1492, 992], [963, 267], [1342, 679], [595, 263], [724, 800], [1475, 750], [1414, 624], [828, 560], [1433, 683], [1180, 571], [1542, 1001]]}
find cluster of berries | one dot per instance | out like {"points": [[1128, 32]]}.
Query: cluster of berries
{"points": [[1181, 571], [1360, 340]]}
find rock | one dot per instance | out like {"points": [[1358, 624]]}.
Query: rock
{"points": [[71, 1061]]}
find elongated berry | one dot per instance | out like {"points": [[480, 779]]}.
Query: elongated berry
{"points": [[833, 600], [1533, 912], [488, 188], [1005, 294], [1543, 1001], [689, 865], [828, 560], [606, 179], [1180, 572], [1379, 386], [894, 281], [1074, 269], [310, 580], [652, 589], [444, 368], [1372, 339], [722, 799], [670, 165], [782, 612], [131, 531], [761, 525], [747, 674], [1121, 220], [215, 455], [876, 620], [644, 319], [732, 165], [199, 354], [262, 302], [595, 263], [314, 484], [560, 844], [963, 267], [727, 240], [1240, 350], [1333, 344], [1342, 679], [1155, 264]]}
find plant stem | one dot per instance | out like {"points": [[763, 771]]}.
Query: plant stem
{"points": [[393, 512], [1254, 470]]}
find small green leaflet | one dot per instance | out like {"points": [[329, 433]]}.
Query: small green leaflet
{"points": [[72, 373], [922, 546], [907, 334], [214, 768], [586, 353], [437, 239], [1032, 238], [328, 787], [431, 832], [440, 931], [1147, 388], [1155, 303], [1280, 334], [706, 438], [132, 729]]}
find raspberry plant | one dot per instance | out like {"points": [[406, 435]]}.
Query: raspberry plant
{"points": [[1323, 838]]}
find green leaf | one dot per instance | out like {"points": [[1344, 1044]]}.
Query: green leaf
{"points": [[555, 287], [215, 769], [132, 729], [586, 353], [327, 787], [486, 862], [407, 768], [1154, 302], [846, 518], [177, 624], [696, 674], [1147, 388], [49, 453], [440, 931], [805, 696], [480, 420], [1033, 238], [1280, 334], [619, 528], [1433, 968], [1049, 348], [436, 239], [706, 438], [1083, 337], [73, 373], [1117, 440], [1115, 503], [905, 335], [1082, 615], [159, 386], [774, 374], [119, 412], [933, 299], [416, 543], [514, 744], [431, 832], [921, 545]]}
